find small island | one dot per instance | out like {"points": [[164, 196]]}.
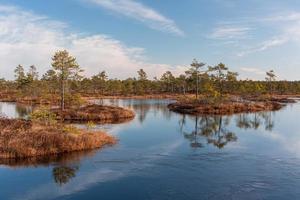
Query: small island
{"points": [[95, 113], [48, 129], [227, 107], [223, 94], [25, 138]]}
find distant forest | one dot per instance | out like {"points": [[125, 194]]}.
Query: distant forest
{"points": [[199, 79]]}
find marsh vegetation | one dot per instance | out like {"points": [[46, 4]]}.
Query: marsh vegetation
{"points": [[63, 95], [24, 138]]}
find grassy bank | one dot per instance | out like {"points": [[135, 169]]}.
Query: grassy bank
{"points": [[21, 138], [231, 105], [95, 113], [224, 108]]}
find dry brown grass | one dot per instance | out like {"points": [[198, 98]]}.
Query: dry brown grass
{"points": [[20, 138], [8, 97], [96, 113], [231, 104], [145, 96], [273, 98], [224, 108]]}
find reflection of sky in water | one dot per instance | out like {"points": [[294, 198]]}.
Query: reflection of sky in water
{"points": [[156, 158], [11, 110]]}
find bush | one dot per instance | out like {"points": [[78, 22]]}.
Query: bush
{"points": [[71, 129], [44, 116], [90, 125], [73, 100]]}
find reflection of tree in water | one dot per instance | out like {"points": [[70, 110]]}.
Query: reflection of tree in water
{"points": [[213, 128], [182, 123], [66, 165], [269, 122], [244, 121], [254, 121], [1, 113], [23, 111], [143, 109], [63, 174], [193, 136], [141, 106]]}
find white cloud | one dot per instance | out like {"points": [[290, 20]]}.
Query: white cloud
{"points": [[230, 32], [272, 43], [290, 16], [273, 31], [26, 38], [253, 70], [276, 41], [142, 13], [286, 29], [253, 73]]}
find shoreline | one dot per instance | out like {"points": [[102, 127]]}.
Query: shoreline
{"points": [[24, 139], [224, 108], [36, 101], [247, 105], [95, 113], [48, 134]]}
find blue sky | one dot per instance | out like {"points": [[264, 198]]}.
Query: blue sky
{"points": [[121, 36]]}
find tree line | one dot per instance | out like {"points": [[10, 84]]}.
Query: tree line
{"points": [[65, 79]]}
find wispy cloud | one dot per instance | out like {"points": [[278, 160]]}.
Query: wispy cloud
{"points": [[288, 16], [286, 29], [225, 32], [276, 41], [268, 32], [142, 13], [27, 38]]}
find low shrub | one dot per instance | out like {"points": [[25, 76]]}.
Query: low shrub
{"points": [[44, 116]]}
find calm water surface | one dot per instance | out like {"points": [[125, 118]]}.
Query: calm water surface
{"points": [[163, 155]]}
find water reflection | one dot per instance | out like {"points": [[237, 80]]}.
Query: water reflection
{"points": [[153, 147], [63, 174], [62, 159], [212, 128], [64, 166], [13, 110], [23, 111], [215, 130], [256, 120], [141, 107]]}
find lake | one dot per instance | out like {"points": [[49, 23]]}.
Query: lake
{"points": [[164, 155]]}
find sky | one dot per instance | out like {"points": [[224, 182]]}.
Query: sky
{"points": [[122, 36]]}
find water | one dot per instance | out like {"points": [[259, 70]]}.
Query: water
{"points": [[164, 155], [11, 110]]}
